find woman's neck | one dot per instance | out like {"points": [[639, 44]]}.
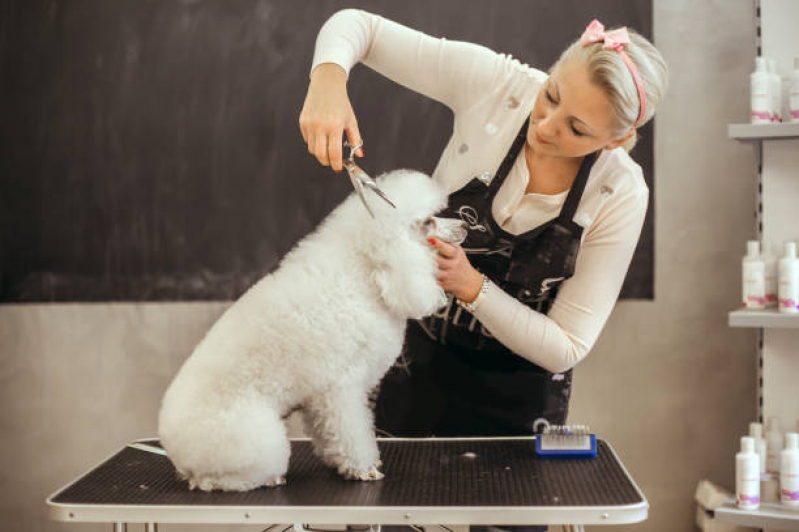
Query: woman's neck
{"points": [[549, 174]]}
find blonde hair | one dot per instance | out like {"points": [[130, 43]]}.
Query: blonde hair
{"points": [[607, 70]]}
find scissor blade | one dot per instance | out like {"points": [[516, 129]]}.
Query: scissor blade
{"points": [[358, 186], [376, 190]]}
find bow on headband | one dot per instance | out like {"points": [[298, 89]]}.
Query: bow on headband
{"points": [[615, 40], [595, 32]]}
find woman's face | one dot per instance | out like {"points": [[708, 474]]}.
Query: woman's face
{"points": [[572, 117]]}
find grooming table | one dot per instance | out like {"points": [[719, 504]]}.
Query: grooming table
{"points": [[450, 481]]}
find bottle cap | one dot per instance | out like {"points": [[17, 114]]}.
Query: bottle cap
{"points": [[748, 444], [755, 430], [790, 249], [753, 248], [792, 441], [760, 64]]}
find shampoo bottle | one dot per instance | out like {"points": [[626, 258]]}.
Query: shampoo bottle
{"points": [[759, 93], [789, 475], [754, 277], [756, 433], [775, 89], [747, 476], [793, 97], [770, 262], [774, 440], [788, 280]]}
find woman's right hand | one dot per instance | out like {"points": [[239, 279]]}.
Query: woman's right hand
{"points": [[327, 114]]}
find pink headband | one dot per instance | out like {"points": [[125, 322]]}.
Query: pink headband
{"points": [[616, 39]]}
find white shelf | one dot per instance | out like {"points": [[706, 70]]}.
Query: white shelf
{"points": [[769, 318], [770, 515], [755, 132]]}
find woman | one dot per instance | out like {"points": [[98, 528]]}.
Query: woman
{"points": [[538, 167]]}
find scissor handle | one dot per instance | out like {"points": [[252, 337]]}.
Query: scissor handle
{"points": [[346, 144]]}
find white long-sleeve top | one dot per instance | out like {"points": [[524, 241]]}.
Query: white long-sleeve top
{"points": [[491, 95]]}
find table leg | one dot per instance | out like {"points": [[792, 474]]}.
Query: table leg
{"points": [[120, 527], [150, 527]]}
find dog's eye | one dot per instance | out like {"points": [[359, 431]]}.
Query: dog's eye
{"points": [[428, 226]]}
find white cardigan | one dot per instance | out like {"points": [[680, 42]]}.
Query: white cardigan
{"points": [[490, 95]]}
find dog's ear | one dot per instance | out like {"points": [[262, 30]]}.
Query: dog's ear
{"points": [[405, 275]]}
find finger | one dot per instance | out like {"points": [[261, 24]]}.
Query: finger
{"points": [[304, 134], [334, 149], [320, 149], [354, 137], [443, 248]]}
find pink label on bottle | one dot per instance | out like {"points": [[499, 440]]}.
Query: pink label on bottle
{"points": [[790, 495], [794, 113], [763, 115], [788, 303], [747, 500]]}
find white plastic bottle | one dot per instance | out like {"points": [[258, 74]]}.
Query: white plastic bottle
{"points": [[747, 476], [770, 262], [756, 433], [788, 280], [774, 440], [754, 277], [794, 91], [775, 90], [789, 475], [759, 93]]}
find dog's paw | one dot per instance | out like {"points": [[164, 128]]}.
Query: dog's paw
{"points": [[275, 482], [370, 474]]}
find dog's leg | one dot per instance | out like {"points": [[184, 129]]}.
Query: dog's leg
{"points": [[342, 426]]}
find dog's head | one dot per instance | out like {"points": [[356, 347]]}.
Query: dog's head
{"points": [[404, 262]]}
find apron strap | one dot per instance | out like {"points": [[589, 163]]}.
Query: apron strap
{"points": [[578, 186], [510, 158]]}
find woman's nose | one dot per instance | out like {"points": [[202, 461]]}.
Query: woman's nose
{"points": [[546, 128]]}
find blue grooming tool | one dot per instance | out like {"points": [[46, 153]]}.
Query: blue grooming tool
{"points": [[566, 442]]}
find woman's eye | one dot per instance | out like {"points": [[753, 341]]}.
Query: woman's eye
{"points": [[549, 97], [577, 132]]}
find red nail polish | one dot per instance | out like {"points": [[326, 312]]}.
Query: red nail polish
{"points": [[360, 151], [432, 241]]}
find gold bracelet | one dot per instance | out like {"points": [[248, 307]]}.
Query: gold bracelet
{"points": [[471, 307]]}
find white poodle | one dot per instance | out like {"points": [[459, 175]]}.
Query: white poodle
{"points": [[317, 334]]}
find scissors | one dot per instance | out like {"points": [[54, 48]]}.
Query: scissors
{"points": [[361, 179]]}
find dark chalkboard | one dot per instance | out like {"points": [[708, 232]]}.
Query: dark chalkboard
{"points": [[150, 149]]}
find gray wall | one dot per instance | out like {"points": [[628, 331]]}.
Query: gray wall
{"points": [[668, 383]]}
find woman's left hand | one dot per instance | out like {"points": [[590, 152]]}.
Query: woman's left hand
{"points": [[455, 274]]}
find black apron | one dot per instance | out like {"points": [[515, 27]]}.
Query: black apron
{"points": [[454, 378]]}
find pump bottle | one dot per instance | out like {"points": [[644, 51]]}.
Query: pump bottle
{"points": [[788, 281], [789, 473], [775, 88], [774, 440], [759, 84], [756, 433], [747, 476], [793, 97], [754, 277]]}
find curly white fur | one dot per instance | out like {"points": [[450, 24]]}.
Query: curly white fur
{"points": [[317, 334]]}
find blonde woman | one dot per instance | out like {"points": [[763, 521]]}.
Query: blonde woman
{"points": [[538, 166]]}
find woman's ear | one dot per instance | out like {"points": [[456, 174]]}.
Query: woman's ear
{"points": [[405, 274], [620, 141]]}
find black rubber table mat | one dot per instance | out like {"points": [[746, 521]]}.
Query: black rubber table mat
{"points": [[491, 472]]}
